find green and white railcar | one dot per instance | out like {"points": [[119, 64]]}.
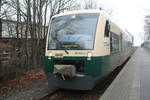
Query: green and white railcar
{"points": [[89, 41]]}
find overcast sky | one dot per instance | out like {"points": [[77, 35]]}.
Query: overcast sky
{"points": [[129, 14]]}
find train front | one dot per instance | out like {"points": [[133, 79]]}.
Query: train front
{"points": [[70, 43]]}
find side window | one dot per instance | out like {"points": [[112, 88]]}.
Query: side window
{"points": [[114, 43], [107, 29]]}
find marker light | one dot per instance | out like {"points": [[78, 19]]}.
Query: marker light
{"points": [[50, 54]]}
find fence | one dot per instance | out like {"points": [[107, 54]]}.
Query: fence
{"points": [[12, 63]]}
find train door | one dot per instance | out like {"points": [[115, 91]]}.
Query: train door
{"points": [[120, 48], [120, 43], [115, 50], [107, 36], [114, 43], [111, 42]]}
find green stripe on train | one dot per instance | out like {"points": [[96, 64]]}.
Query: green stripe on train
{"points": [[97, 66]]}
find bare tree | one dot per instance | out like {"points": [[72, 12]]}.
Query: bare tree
{"points": [[93, 4], [2, 2], [147, 27], [35, 15], [90, 4]]}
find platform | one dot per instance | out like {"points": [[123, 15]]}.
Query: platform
{"points": [[133, 82]]}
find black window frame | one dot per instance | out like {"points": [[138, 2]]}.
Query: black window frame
{"points": [[49, 34]]}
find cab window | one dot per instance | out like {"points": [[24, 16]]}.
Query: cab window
{"points": [[107, 29]]}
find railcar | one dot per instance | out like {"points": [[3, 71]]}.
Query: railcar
{"points": [[83, 47]]}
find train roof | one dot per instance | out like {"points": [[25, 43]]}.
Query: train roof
{"points": [[78, 12], [94, 11]]}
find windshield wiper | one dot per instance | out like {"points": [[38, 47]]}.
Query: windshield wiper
{"points": [[54, 38], [66, 51]]}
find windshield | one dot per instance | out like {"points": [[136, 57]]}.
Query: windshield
{"points": [[73, 32]]}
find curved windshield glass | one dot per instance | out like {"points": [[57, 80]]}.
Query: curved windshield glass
{"points": [[73, 32]]}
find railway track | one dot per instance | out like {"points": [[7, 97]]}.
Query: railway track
{"points": [[94, 94], [50, 92]]}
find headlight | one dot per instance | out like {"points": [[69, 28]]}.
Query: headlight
{"points": [[89, 55]]}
